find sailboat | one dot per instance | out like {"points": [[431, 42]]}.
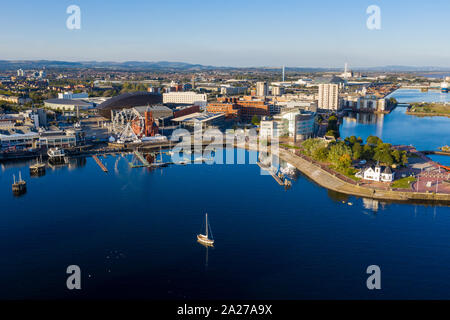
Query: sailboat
{"points": [[204, 238]]}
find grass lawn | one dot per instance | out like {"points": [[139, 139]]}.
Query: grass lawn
{"points": [[437, 108], [348, 172], [404, 183]]}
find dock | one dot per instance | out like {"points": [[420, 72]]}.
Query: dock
{"points": [[100, 164], [282, 182], [141, 158]]}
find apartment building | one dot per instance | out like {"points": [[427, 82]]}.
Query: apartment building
{"points": [[328, 96]]}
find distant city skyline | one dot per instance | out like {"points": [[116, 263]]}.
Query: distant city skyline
{"points": [[322, 34]]}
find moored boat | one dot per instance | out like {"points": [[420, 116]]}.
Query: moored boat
{"points": [[204, 238]]}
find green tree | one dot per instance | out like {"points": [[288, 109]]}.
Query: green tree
{"points": [[357, 151], [383, 154], [255, 120], [368, 152], [336, 151], [320, 153], [374, 140]]}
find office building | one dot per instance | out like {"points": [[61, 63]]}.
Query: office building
{"points": [[188, 97]]}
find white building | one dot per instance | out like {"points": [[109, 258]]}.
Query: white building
{"points": [[261, 89], [67, 105], [277, 91], [295, 123], [20, 73], [328, 96], [71, 95], [376, 174], [230, 90], [188, 97], [270, 129]]}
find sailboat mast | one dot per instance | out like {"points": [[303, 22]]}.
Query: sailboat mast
{"points": [[206, 225]]}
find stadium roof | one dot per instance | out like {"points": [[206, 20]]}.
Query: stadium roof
{"points": [[128, 100]]}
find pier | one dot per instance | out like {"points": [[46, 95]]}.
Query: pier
{"points": [[100, 164], [141, 158], [282, 182]]}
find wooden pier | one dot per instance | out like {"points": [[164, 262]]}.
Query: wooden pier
{"points": [[282, 182], [100, 164]]}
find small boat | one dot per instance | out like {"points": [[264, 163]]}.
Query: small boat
{"points": [[55, 152], [204, 238], [350, 204]]}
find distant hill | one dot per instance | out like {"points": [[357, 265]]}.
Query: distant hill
{"points": [[183, 66]]}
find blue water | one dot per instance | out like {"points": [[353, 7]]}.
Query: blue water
{"points": [[414, 95], [425, 133], [132, 232]]}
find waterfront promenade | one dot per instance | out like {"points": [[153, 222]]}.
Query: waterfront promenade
{"points": [[333, 181]]}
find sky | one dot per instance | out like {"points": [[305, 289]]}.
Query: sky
{"points": [[240, 33]]}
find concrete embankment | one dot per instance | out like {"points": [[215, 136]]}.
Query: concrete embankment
{"points": [[331, 182]]}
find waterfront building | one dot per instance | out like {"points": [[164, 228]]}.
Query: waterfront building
{"points": [[328, 96], [269, 128], [261, 89], [59, 138], [206, 119], [188, 97], [161, 114], [20, 73], [300, 124], [18, 138], [294, 123], [377, 173], [366, 103]]}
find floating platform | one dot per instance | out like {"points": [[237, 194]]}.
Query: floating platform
{"points": [[100, 164]]}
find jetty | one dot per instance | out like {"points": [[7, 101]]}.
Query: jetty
{"points": [[100, 164], [279, 178]]}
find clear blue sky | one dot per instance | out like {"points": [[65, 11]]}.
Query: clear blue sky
{"points": [[324, 33]]}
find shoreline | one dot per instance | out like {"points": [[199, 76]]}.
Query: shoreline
{"points": [[425, 114], [332, 182], [326, 179]]}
